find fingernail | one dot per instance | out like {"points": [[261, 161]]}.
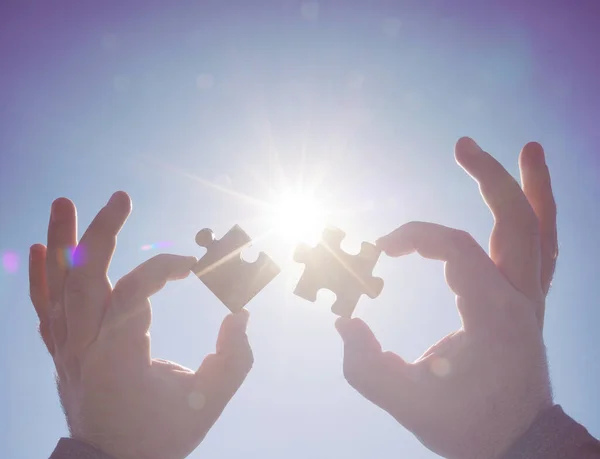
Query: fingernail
{"points": [[118, 198], [344, 327], [239, 320], [534, 154], [32, 249], [469, 146], [56, 211], [191, 260], [385, 245], [113, 199]]}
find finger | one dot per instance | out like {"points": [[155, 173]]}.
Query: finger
{"points": [[232, 338], [469, 271], [38, 291], [129, 310], [62, 238], [151, 276], [515, 242], [38, 285], [221, 374], [384, 378], [537, 187], [97, 245], [356, 333], [87, 288]]}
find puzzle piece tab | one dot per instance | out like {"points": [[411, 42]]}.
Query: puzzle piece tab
{"points": [[329, 267], [234, 281]]}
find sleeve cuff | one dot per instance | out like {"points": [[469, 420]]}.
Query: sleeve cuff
{"points": [[69, 448], [555, 435]]}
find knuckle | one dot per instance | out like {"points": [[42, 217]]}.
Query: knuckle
{"points": [[101, 231], [414, 225], [389, 359], [46, 335], [122, 288], [103, 223], [238, 365], [354, 372], [530, 219], [235, 363], [37, 299], [553, 207], [513, 306], [464, 239], [160, 265], [76, 284], [350, 373], [527, 228], [246, 362], [126, 289], [161, 258], [550, 247]]}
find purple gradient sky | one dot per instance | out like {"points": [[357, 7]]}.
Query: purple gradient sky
{"points": [[99, 96]]}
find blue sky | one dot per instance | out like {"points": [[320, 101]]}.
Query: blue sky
{"points": [[360, 101]]}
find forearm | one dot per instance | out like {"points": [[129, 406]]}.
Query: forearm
{"points": [[554, 435], [69, 448]]}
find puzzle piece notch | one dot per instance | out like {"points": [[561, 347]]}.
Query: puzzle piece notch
{"points": [[233, 280], [327, 266]]}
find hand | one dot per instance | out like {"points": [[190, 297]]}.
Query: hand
{"points": [[115, 396], [472, 395]]}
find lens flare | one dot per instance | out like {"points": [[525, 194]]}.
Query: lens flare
{"points": [[71, 257], [10, 261], [156, 245]]}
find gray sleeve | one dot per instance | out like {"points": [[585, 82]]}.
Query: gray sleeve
{"points": [[69, 448], [554, 435]]}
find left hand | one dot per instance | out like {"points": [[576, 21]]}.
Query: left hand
{"points": [[115, 396]]}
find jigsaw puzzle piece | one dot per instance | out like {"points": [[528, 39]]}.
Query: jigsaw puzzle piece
{"points": [[310, 283], [234, 281], [369, 255], [327, 266], [306, 287], [346, 303], [302, 253], [333, 237]]}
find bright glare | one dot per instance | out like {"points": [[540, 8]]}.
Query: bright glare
{"points": [[298, 217]]}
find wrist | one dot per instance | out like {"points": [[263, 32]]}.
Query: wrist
{"points": [[526, 418], [553, 434], [72, 448], [523, 430]]}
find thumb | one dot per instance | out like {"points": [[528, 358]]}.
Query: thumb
{"points": [[221, 374], [357, 335], [384, 378], [232, 337], [224, 371], [233, 359]]}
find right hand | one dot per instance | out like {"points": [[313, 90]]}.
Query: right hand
{"points": [[115, 396], [474, 393]]}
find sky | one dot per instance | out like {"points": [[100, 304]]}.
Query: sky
{"points": [[202, 110]]}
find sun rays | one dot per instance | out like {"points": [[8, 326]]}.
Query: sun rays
{"points": [[297, 216], [292, 196]]}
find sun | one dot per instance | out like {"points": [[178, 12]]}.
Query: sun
{"points": [[298, 216]]}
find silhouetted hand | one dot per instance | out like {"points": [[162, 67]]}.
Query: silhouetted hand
{"points": [[471, 395], [115, 396]]}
